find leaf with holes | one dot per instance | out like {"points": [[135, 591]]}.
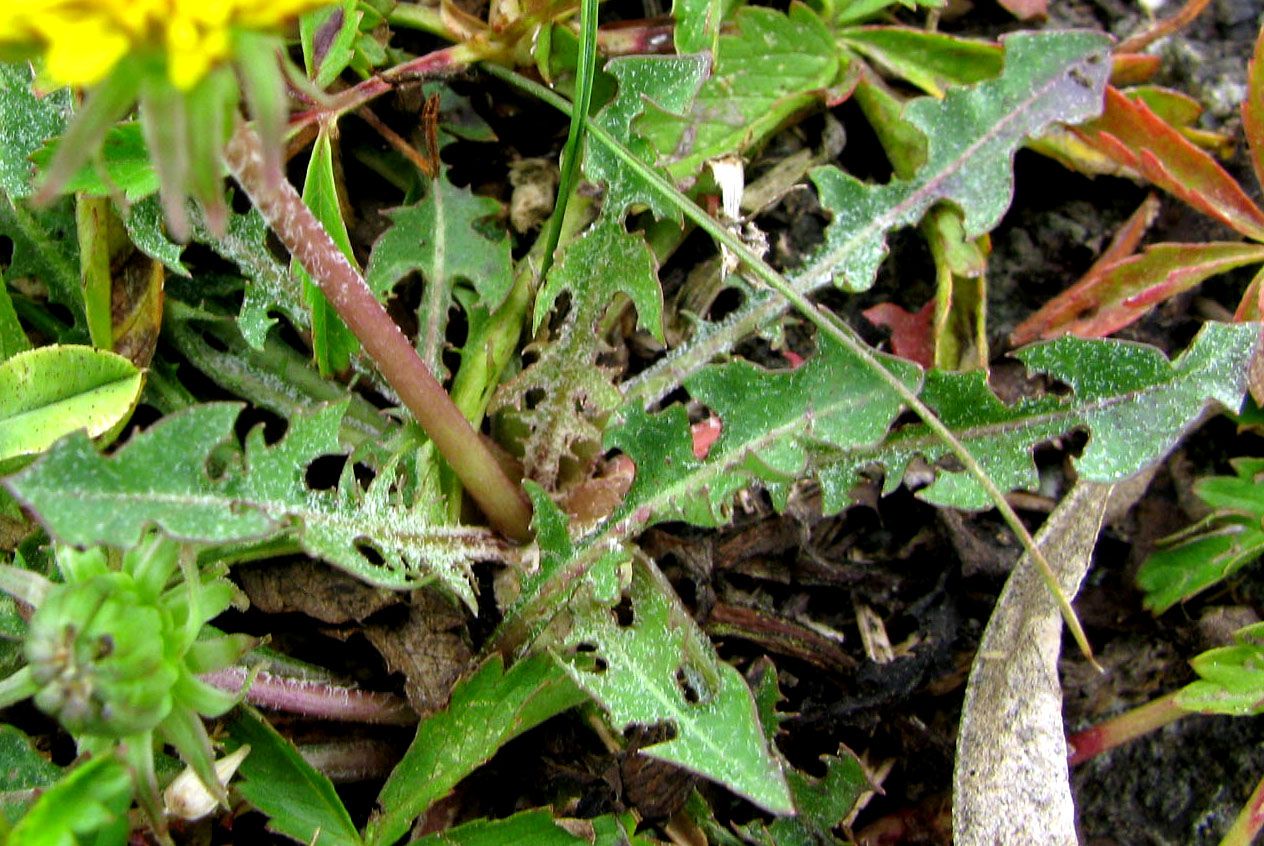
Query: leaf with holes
{"points": [[1132, 400], [269, 284], [660, 668], [174, 475], [576, 389], [438, 238]]}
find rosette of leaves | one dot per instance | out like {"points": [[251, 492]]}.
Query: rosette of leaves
{"points": [[114, 652]]}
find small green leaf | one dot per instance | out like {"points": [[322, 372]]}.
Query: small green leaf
{"points": [[438, 238], [145, 226], [971, 135], [271, 286], [538, 828], [328, 37], [671, 82], [298, 800], [639, 682], [933, 61], [88, 805], [1216, 548], [487, 710], [46, 250], [1232, 677], [123, 165], [333, 344], [23, 772], [26, 122], [49, 392]]}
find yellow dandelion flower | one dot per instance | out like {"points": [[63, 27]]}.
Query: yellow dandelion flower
{"points": [[83, 40]]}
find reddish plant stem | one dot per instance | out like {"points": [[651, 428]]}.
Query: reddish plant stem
{"points": [[1249, 822], [315, 699], [1127, 726], [500, 499]]}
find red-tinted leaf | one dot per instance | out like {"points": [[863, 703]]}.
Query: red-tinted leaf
{"points": [[1113, 295], [1253, 109], [1047, 322], [1130, 133], [912, 335], [1025, 10]]}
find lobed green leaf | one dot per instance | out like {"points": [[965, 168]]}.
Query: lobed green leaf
{"points": [[173, 475]]}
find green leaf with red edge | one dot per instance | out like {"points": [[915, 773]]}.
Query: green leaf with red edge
{"points": [[1115, 294], [1253, 109], [1130, 133]]}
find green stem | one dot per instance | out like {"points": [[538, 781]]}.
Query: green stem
{"points": [[499, 498], [573, 152], [825, 322]]}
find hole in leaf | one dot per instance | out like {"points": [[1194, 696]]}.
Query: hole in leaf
{"points": [[370, 551], [322, 474], [688, 687], [623, 613]]}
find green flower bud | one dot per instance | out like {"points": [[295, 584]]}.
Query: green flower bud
{"points": [[97, 650]]}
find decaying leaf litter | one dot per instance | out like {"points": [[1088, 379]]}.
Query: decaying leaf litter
{"points": [[854, 628]]}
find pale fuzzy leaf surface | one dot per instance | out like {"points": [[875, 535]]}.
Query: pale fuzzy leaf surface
{"points": [[270, 285], [774, 67], [23, 771], [1232, 537], [971, 135], [437, 237], [670, 83], [299, 800], [147, 229], [174, 475], [1132, 400], [637, 682], [575, 388], [769, 421], [538, 828], [26, 122], [487, 710], [51, 391]]}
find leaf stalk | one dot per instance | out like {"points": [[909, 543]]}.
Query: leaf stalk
{"points": [[500, 499]]}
